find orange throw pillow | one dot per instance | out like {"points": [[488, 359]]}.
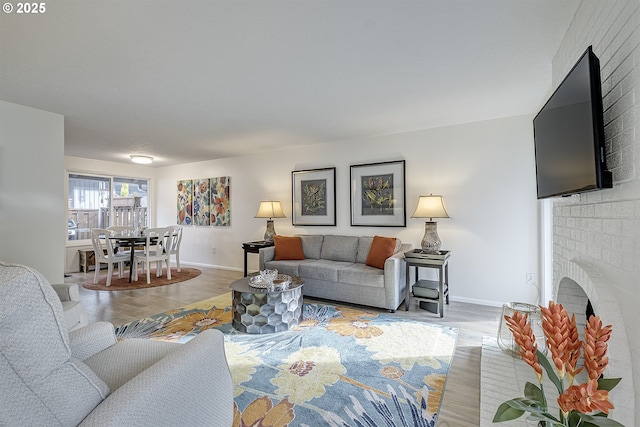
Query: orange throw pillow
{"points": [[288, 247], [381, 249]]}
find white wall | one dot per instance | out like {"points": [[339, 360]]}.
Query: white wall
{"points": [[32, 210], [485, 171], [602, 229]]}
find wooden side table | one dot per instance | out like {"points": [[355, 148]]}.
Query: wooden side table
{"points": [[87, 259], [429, 290], [254, 248]]}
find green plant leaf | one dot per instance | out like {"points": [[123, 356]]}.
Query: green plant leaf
{"points": [[525, 404], [547, 418], [506, 413], [599, 421], [551, 371], [608, 383], [533, 392]]}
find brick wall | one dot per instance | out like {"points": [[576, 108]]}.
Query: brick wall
{"points": [[596, 236]]}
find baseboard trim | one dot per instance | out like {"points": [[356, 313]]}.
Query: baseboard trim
{"points": [[198, 264], [478, 301]]}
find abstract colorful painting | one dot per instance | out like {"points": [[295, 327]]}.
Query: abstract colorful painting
{"points": [[201, 202], [221, 201], [184, 202]]}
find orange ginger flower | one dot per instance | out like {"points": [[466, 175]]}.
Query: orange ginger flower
{"points": [[523, 335], [585, 398], [555, 324], [595, 347], [574, 350]]}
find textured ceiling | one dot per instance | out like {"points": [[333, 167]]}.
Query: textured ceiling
{"points": [[190, 80]]}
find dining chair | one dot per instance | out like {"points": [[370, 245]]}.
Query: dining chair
{"points": [[121, 229], [105, 254], [157, 239], [124, 230], [175, 245]]}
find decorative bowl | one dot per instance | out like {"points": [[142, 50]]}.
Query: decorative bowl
{"points": [[269, 275]]}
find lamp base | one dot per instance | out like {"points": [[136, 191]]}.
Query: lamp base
{"points": [[271, 231], [431, 241]]}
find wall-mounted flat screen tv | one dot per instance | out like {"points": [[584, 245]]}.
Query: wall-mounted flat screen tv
{"points": [[569, 134]]}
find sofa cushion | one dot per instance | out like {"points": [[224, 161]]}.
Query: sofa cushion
{"points": [[340, 248], [362, 275], [381, 249], [364, 244], [288, 248], [311, 245], [322, 269], [289, 267]]}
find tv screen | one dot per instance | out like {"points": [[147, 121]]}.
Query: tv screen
{"points": [[569, 134]]}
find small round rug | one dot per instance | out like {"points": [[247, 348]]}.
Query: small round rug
{"points": [[124, 285]]}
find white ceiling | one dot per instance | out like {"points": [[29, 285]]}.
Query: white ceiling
{"points": [[193, 80]]}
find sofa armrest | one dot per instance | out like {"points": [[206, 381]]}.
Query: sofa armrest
{"points": [[197, 369], [91, 339], [67, 291], [395, 276], [265, 255]]}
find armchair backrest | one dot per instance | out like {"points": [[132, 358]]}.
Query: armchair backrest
{"points": [[41, 383]]}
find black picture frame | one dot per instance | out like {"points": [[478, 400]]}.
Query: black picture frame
{"points": [[378, 194], [314, 197]]}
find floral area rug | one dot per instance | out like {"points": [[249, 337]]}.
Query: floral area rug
{"points": [[340, 367]]}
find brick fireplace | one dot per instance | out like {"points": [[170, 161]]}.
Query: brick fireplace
{"points": [[596, 236], [580, 283]]}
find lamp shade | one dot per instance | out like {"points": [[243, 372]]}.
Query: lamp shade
{"points": [[431, 206], [270, 209]]}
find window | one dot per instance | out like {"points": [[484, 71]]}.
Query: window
{"points": [[93, 204]]}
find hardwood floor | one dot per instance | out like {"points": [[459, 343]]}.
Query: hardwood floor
{"points": [[461, 404]]}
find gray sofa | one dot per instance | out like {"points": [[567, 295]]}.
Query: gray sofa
{"points": [[334, 268], [52, 377]]}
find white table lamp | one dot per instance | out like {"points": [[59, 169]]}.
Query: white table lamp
{"points": [[430, 207], [269, 209]]}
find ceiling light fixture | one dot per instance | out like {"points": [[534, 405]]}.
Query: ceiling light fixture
{"points": [[143, 160]]}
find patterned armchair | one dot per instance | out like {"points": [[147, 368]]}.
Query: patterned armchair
{"points": [[51, 376]]}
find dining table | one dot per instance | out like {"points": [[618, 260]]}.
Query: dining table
{"points": [[130, 240]]}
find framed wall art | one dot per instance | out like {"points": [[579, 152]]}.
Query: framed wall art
{"points": [[314, 197], [378, 194], [201, 201], [184, 195], [221, 201]]}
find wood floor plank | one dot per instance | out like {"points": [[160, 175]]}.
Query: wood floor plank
{"points": [[461, 403]]}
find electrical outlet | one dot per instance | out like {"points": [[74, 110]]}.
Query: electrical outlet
{"points": [[213, 251], [530, 279]]}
